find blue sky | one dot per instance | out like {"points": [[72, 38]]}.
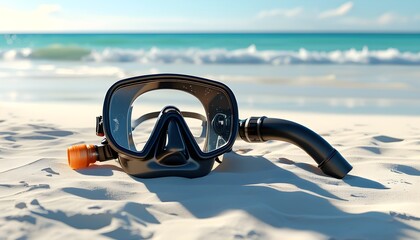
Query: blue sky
{"points": [[209, 16]]}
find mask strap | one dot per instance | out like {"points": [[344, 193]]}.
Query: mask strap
{"points": [[185, 114]]}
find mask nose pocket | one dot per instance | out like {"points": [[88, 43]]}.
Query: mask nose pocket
{"points": [[171, 149]]}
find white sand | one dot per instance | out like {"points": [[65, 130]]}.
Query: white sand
{"points": [[261, 191]]}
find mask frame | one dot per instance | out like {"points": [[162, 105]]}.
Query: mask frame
{"points": [[144, 163]]}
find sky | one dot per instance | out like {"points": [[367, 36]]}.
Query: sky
{"points": [[209, 16]]}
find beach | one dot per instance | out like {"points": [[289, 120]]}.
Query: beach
{"points": [[369, 111], [260, 191]]}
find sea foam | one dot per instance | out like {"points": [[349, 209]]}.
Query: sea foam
{"points": [[250, 55]]}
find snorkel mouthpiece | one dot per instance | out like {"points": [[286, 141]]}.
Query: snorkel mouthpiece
{"points": [[81, 156]]}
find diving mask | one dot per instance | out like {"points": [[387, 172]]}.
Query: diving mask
{"points": [[197, 121]]}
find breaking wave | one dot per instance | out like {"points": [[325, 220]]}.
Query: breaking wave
{"points": [[248, 55]]}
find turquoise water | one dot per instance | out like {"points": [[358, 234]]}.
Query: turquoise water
{"points": [[239, 48], [340, 73], [264, 41]]}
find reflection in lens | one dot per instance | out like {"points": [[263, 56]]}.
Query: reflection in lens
{"points": [[141, 132]]}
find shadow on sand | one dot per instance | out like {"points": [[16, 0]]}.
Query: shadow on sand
{"points": [[247, 183], [250, 184]]}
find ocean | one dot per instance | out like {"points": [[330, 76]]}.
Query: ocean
{"points": [[319, 72], [274, 49]]}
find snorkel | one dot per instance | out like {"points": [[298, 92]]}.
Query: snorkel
{"points": [[186, 143], [262, 129]]}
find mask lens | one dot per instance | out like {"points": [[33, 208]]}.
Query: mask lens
{"points": [[144, 115], [134, 109]]}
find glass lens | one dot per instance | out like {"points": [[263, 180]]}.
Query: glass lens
{"points": [[134, 108], [146, 108]]}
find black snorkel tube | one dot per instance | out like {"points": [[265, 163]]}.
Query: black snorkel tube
{"points": [[261, 129]]}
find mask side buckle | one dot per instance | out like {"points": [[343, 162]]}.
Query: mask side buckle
{"points": [[99, 127]]}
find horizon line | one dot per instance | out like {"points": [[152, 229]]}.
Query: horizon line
{"points": [[213, 32]]}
